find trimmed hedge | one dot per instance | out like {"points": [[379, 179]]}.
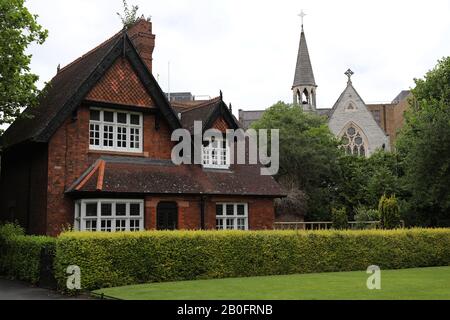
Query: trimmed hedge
{"points": [[20, 255], [118, 259]]}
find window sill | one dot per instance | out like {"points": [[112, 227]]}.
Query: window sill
{"points": [[120, 153], [216, 167]]}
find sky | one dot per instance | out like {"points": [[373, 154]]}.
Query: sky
{"points": [[248, 48]]}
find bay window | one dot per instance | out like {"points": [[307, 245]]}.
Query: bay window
{"points": [[109, 215], [115, 130], [232, 216]]}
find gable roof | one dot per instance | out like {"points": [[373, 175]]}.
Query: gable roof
{"points": [[338, 101], [121, 86], [341, 97], [304, 75], [71, 85], [206, 111]]}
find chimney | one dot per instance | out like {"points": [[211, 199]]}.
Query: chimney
{"points": [[143, 39]]}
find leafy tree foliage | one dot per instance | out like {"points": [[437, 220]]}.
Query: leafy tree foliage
{"points": [[340, 218], [362, 181], [18, 29], [424, 146], [363, 215], [308, 153], [311, 160]]}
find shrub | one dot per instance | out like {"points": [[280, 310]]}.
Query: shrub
{"points": [[366, 215], [389, 212], [20, 255], [340, 218], [108, 260]]}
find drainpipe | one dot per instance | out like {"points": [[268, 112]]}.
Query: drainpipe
{"points": [[202, 212]]}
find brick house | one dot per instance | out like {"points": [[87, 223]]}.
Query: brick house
{"points": [[96, 154]]}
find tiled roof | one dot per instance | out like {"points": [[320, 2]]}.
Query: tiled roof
{"points": [[118, 175], [64, 85], [74, 82], [206, 111]]}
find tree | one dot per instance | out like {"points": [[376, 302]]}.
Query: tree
{"points": [[361, 181], [389, 212], [129, 16], [308, 153], [424, 147], [340, 218], [18, 29]]}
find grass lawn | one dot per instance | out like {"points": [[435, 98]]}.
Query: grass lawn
{"points": [[426, 283]]}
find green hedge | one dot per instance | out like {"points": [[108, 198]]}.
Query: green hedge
{"points": [[20, 255], [118, 259]]}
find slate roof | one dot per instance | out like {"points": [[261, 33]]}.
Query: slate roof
{"points": [[118, 175], [247, 118], [304, 75], [401, 96]]}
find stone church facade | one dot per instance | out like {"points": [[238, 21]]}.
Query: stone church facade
{"points": [[363, 128]]}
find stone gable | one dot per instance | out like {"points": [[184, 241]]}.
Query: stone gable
{"points": [[350, 108]]}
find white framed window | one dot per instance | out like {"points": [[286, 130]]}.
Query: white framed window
{"points": [[216, 155], [109, 215], [232, 216], [113, 130]]}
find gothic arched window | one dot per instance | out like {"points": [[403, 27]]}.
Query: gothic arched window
{"points": [[353, 141]]}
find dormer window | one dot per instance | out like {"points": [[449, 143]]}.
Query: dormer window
{"points": [[216, 154], [111, 130]]}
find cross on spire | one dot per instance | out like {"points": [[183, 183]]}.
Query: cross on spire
{"points": [[349, 74], [302, 15]]}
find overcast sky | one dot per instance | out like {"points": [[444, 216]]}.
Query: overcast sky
{"points": [[248, 48]]}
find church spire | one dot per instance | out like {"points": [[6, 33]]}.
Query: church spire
{"points": [[304, 87]]}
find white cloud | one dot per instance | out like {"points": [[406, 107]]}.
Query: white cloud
{"points": [[248, 48]]}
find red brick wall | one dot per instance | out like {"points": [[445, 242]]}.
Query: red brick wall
{"points": [[261, 211], [69, 157]]}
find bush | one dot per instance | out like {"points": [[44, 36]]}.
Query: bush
{"points": [[365, 215], [389, 212], [9, 230], [118, 259], [20, 255], [340, 218]]}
